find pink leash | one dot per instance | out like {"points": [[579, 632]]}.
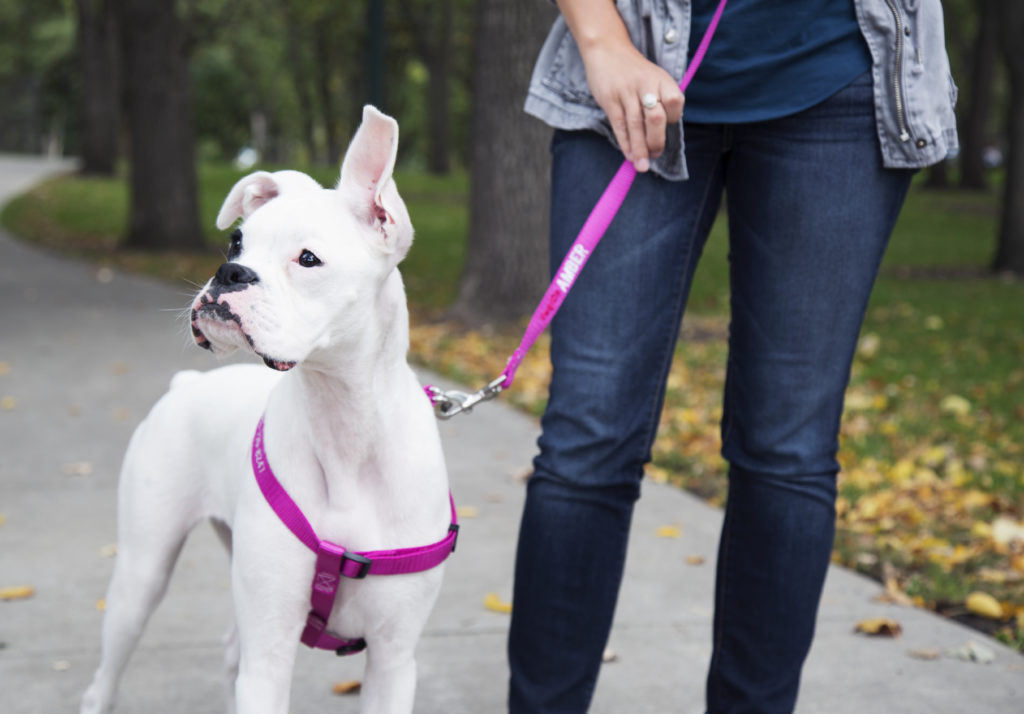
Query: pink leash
{"points": [[450, 403], [334, 562]]}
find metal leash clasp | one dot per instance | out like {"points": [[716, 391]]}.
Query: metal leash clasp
{"points": [[451, 402]]}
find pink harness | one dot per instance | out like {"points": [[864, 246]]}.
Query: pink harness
{"points": [[334, 561]]}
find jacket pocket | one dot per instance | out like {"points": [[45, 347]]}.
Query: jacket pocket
{"points": [[566, 75]]}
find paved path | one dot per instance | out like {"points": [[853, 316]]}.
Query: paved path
{"points": [[84, 353]]}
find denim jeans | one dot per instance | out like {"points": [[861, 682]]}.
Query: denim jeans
{"points": [[810, 211]]}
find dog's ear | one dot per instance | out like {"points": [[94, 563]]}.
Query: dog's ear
{"points": [[246, 196], [366, 179]]}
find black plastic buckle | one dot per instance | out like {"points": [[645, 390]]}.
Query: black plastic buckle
{"points": [[454, 528], [351, 647], [364, 565]]}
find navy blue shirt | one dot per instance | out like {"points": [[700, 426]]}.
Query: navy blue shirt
{"points": [[771, 59]]}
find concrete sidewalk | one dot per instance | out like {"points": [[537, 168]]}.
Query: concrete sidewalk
{"points": [[85, 352]]}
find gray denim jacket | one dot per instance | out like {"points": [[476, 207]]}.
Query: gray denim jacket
{"points": [[914, 91]]}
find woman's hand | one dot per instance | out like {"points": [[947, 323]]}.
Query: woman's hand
{"points": [[620, 79]]}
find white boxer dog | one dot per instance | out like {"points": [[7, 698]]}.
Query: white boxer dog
{"points": [[311, 287]]}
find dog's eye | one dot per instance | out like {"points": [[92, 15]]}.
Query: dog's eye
{"points": [[235, 246], [308, 260]]}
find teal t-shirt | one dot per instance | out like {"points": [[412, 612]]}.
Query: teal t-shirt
{"points": [[771, 59]]}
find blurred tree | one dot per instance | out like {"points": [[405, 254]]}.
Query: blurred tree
{"points": [[99, 68], [1010, 250], [164, 212], [974, 128], [507, 258], [432, 36]]}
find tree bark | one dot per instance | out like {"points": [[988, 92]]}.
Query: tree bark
{"points": [[158, 105], [1010, 250], [506, 265], [432, 39], [98, 58], [975, 125], [323, 81]]}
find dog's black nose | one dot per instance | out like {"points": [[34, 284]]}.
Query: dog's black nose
{"points": [[235, 275]]}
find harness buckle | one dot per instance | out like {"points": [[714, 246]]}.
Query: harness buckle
{"points": [[454, 528], [362, 561]]}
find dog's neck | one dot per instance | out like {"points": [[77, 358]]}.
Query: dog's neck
{"points": [[349, 392]]}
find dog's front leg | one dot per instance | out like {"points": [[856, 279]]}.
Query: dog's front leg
{"points": [[389, 681], [270, 585]]}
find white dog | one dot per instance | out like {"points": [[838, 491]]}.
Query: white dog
{"points": [[312, 288]]}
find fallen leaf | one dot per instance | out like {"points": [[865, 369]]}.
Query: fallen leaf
{"points": [[669, 532], [109, 550], [77, 468], [119, 368], [955, 404], [467, 511], [17, 592], [609, 656], [928, 654], [101, 605], [350, 687], [495, 604], [61, 665], [3, 519], [122, 413], [8, 403], [973, 652], [933, 322], [984, 605], [695, 560], [879, 627], [5, 369]]}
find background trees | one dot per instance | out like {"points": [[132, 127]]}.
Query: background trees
{"points": [[285, 80]]}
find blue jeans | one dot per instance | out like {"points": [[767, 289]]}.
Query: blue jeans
{"points": [[810, 211]]}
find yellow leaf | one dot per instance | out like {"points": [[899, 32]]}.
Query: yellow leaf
{"points": [[101, 605], [933, 322], [17, 592], [349, 687], [879, 627], [955, 404], [8, 403], [3, 519], [669, 532], [695, 560], [467, 511], [495, 604], [927, 654], [984, 605], [5, 369]]}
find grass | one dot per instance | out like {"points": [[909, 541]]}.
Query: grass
{"points": [[932, 444]]}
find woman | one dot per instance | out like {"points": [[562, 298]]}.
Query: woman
{"points": [[813, 116]]}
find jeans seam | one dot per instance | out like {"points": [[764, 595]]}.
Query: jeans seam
{"points": [[669, 352], [721, 612]]}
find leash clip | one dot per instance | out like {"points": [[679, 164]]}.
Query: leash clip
{"points": [[451, 402]]}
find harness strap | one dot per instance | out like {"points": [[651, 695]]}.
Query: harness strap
{"points": [[334, 561]]}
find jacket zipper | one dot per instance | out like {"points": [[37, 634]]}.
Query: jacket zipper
{"points": [[897, 89]]}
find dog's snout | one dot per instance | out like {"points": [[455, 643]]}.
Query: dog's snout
{"points": [[235, 275]]}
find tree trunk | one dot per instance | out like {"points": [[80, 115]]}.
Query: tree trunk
{"points": [[297, 67], [506, 266], [323, 81], [158, 104], [438, 114], [975, 125], [99, 66], [938, 176], [1010, 251]]}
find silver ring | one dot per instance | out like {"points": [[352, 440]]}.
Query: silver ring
{"points": [[649, 100]]}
